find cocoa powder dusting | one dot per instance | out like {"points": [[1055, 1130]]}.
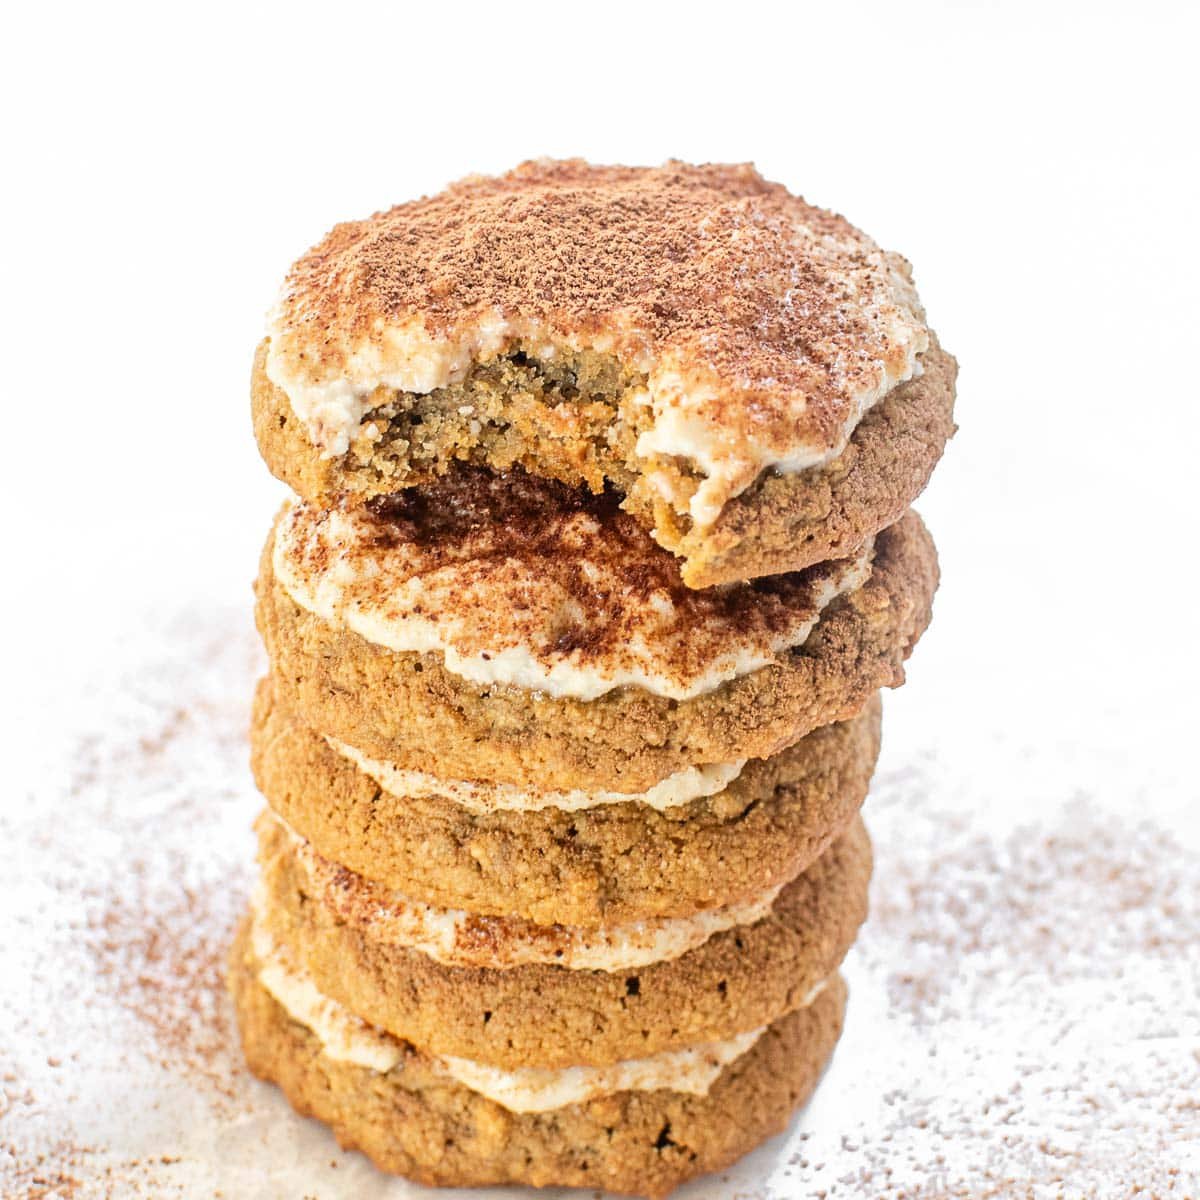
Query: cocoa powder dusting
{"points": [[727, 277], [560, 573]]}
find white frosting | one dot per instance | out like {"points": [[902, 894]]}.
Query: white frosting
{"points": [[531, 1089], [403, 358], [346, 1038], [477, 796], [683, 427], [343, 1036], [395, 595], [684, 413], [458, 938]]}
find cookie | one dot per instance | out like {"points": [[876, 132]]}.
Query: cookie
{"points": [[617, 861], [452, 711], [752, 374], [412, 1120], [558, 997]]}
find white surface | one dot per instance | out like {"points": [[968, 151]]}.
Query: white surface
{"points": [[1011, 1018]]}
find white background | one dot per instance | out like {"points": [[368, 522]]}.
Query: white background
{"points": [[1036, 162]]}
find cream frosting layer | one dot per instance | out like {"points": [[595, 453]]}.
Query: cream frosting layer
{"points": [[693, 1070], [458, 938], [347, 1038], [343, 1036], [479, 796], [683, 427], [576, 612], [682, 421]]}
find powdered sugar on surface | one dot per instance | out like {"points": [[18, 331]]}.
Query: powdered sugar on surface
{"points": [[1025, 1010]]}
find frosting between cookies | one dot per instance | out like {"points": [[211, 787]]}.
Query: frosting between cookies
{"points": [[499, 618], [479, 796], [343, 1036], [458, 938], [531, 1089], [347, 1038]]}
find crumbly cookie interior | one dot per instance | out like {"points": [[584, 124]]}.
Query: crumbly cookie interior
{"points": [[575, 417]]}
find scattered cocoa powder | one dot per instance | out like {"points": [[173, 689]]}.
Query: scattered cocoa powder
{"points": [[135, 867], [1025, 1001]]}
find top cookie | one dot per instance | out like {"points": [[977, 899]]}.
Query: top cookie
{"points": [[697, 337]]}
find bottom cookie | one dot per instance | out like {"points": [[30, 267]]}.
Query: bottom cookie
{"points": [[411, 1120]]}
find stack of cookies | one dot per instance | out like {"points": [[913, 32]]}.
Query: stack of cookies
{"points": [[600, 555]]}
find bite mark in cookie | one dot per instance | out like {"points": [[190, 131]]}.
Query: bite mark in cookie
{"points": [[679, 333]]}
